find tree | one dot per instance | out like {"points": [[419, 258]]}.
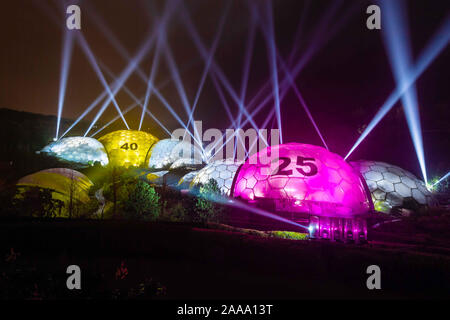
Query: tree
{"points": [[206, 208], [39, 202], [140, 200]]}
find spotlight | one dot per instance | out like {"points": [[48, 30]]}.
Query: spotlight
{"points": [[65, 66]]}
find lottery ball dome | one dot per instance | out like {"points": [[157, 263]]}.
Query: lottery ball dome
{"points": [[128, 148], [304, 178]]}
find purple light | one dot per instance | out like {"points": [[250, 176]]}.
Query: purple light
{"points": [[303, 178]]}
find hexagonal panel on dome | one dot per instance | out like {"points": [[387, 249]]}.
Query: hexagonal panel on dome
{"points": [[128, 147], [80, 150], [303, 178], [222, 171], [164, 153], [396, 186], [185, 163]]}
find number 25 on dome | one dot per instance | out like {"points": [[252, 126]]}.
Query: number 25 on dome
{"points": [[302, 162], [132, 146]]}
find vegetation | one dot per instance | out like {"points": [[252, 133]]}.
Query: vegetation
{"points": [[139, 200], [289, 235], [206, 208]]}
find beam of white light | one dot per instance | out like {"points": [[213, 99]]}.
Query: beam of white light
{"points": [[301, 100], [318, 43], [396, 37], [111, 37], [134, 62], [255, 210], [214, 67], [297, 37], [208, 61], [441, 179], [176, 76], [154, 69], [433, 49], [65, 67], [245, 73], [124, 53], [247, 63], [93, 61], [139, 101], [271, 48], [134, 105], [223, 100], [85, 112], [324, 32]]}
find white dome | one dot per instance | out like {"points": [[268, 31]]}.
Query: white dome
{"points": [[82, 150], [165, 152], [222, 171], [390, 185], [185, 163]]}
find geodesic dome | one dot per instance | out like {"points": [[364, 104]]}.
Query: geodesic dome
{"points": [[167, 151], [302, 178], [222, 171], [64, 182], [128, 147], [82, 150], [185, 163], [186, 180], [390, 186]]}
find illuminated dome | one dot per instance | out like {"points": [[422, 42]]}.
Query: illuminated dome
{"points": [[391, 186], [167, 151], [64, 182], [128, 147], [186, 180], [156, 177], [303, 178], [185, 163], [222, 171], [82, 150]]}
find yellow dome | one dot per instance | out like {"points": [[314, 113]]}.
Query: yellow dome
{"points": [[64, 182], [127, 148]]}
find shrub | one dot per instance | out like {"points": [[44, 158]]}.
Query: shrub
{"points": [[289, 235], [139, 200], [206, 208]]}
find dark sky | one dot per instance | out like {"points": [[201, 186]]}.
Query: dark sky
{"points": [[344, 83]]}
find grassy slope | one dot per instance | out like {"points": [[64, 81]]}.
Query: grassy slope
{"points": [[194, 262]]}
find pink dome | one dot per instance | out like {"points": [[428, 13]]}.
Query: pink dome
{"points": [[303, 178]]}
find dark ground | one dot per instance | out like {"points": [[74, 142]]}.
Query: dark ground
{"points": [[193, 262]]}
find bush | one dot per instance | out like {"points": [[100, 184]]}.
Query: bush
{"points": [[289, 235], [206, 208], [139, 200], [176, 213]]}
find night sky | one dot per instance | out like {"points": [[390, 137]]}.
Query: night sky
{"points": [[344, 83]]}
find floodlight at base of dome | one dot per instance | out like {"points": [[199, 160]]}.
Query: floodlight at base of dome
{"points": [[439, 181]]}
